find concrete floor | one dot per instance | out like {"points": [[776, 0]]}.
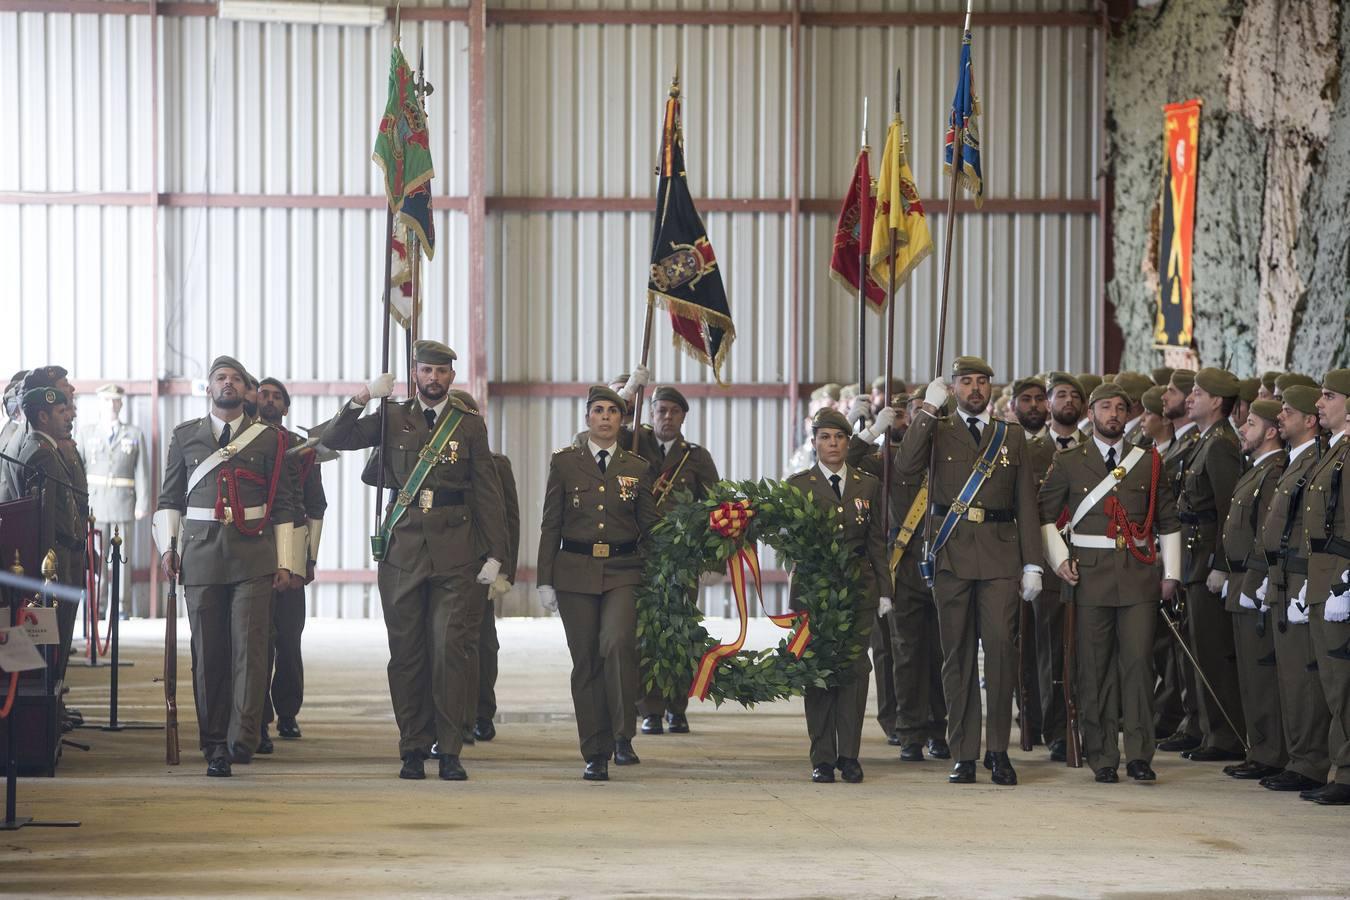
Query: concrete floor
{"points": [[726, 811]]}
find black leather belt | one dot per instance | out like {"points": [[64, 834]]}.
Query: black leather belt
{"points": [[1335, 546], [1235, 567], [600, 551], [980, 514], [1257, 563], [1295, 565], [1196, 518]]}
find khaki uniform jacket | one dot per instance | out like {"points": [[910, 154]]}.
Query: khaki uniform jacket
{"points": [[313, 502], [585, 505], [1108, 577], [867, 457], [1324, 569], [511, 508], [1207, 485], [9, 490], [858, 525], [1251, 498], [647, 443], [118, 469], [1178, 455], [977, 551], [215, 552], [63, 528], [1041, 449], [697, 473], [1272, 523], [449, 536]]}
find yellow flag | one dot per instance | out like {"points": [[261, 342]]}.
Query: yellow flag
{"points": [[898, 210]]}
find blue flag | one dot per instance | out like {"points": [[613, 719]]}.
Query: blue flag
{"points": [[965, 111]]}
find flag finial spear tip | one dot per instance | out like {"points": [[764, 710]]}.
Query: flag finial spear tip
{"points": [[864, 128], [675, 82]]}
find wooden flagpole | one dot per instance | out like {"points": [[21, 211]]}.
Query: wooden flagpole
{"points": [[377, 548], [862, 277], [889, 371]]}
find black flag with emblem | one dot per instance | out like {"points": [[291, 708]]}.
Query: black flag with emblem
{"points": [[685, 277]]}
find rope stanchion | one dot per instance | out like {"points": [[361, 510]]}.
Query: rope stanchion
{"points": [[115, 562]]}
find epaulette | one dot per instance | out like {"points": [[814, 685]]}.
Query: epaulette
{"points": [[859, 474], [190, 423], [565, 449], [462, 406]]}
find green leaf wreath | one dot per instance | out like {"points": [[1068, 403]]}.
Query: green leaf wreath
{"points": [[682, 546]]}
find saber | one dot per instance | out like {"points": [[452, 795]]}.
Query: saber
{"points": [[1200, 673]]}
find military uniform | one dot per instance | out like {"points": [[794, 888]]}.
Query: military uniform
{"points": [[117, 462], [483, 696], [1176, 706], [1048, 611], [433, 605]]}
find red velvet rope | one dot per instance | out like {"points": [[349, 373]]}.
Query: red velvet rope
{"points": [[1119, 520], [227, 490]]}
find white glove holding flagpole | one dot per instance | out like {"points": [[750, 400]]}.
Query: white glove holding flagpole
{"points": [[548, 598], [860, 410], [382, 386], [885, 419], [935, 394], [640, 377], [884, 606]]}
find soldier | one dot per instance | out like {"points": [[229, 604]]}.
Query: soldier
{"points": [[1161, 375], [1267, 391], [878, 399], [834, 716], [1303, 706], [1088, 381], [1156, 428], [445, 526], [117, 460], [1134, 384], [1065, 401], [1290, 379], [679, 466], [284, 688], [598, 508], [226, 486], [627, 386], [1117, 503], [1253, 638], [1247, 390], [11, 432], [1327, 546], [983, 539], [1208, 481]]}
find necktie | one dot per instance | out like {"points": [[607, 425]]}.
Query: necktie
{"points": [[430, 416], [834, 483], [974, 425], [1111, 458], [600, 458], [662, 450], [224, 435], [1063, 442]]}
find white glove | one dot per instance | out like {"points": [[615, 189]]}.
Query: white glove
{"points": [[936, 393], [1214, 581], [860, 409], [1224, 593], [1337, 608], [1298, 613], [1246, 602], [885, 419], [382, 386], [1031, 586], [884, 606], [1261, 591], [641, 375], [499, 588], [491, 569], [548, 598]]}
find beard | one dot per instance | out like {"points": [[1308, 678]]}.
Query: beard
{"points": [[250, 409], [974, 404], [270, 414], [1032, 421], [229, 402], [1066, 415], [433, 391], [1108, 430]]}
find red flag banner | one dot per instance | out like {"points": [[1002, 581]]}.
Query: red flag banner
{"points": [[1181, 138], [853, 236]]}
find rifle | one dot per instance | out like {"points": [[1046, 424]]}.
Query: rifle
{"points": [[1023, 694], [171, 666], [1073, 747]]}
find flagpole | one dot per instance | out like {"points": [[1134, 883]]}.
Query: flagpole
{"points": [[889, 372], [862, 274], [384, 367], [958, 140]]}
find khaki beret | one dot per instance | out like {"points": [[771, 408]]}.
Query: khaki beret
{"points": [[1088, 382], [1219, 382], [666, 392], [900, 400], [1302, 398], [848, 391], [1110, 377], [1107, 390], [1055, 379], [827, 392], [41, 398], [1161, 375], [273, 382], [971, 365], [229, 362], [111, 390], [1183, 380], [1023, 384], [879, 384], [830, 418], [1289, 379], [1248, 388], [1268, 380], [466, 398], [433, 353], [1265, 409], [1134, 384], [605, 392], [1152, 399], [1337, 381]]}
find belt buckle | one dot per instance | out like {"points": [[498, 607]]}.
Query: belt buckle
{"points": [[1120, 542], [228, 518], [600, 551], [975, 514], [425, 499], [959, 508]]}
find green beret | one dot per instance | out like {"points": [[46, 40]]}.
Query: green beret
{"points": [[666, 392], [433, 353], [43, 376], [1161, 375], [1248, 388], [1219, 382], [1289, 379], [285, 394], [1337, 381], [1134, 384], [229, 362], [1265, 409], [1106, 390], [1152, 399], [1023, 384], [971, 365], [830, 418], [879, 384], [1183, 380], [466, 398], [1268, 380], [1088, 382], [1303, 398], [1055, 379], [603, 392], [1110, 377], [39, 398], [827, 392]]}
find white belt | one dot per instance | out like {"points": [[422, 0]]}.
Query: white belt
{"points": [[111, 481], [1101, 542], [208, 513]]}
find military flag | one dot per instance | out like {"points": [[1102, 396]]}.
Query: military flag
{"points": [[403, 152], [685, 277], [964, 115], [899, 212], [853, 236], [1181, 143], [402, 304]]}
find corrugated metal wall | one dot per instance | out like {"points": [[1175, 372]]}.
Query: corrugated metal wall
{"points": [[572, 110]]}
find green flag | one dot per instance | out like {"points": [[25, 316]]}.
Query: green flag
{"points": [[402, 150]]}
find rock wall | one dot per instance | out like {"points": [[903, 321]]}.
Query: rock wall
{"points": [[1271, 274]]}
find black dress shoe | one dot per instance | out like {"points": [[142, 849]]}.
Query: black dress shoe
{"points": [[1289, 780], [623, 753], [466, 735], [451, 770], [1003, 773], [218, 768], [962, 773], [652, 725], [1212, 754], [911, 753], [1336, 794], [1253, 771], [1106, 775], [414, 767], [1314, 793], [894, 739], [850, 770], [239, 756], [938, 749], [265, 745], [1058, 750], [823, 774], [1178, 743], [677, 722], [1140, 770], [288, 728], [597, 769], [484, 730]]}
